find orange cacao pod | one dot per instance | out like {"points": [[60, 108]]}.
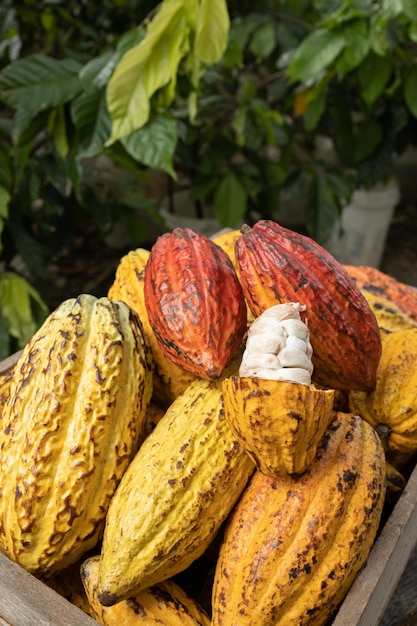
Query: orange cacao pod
{"points": [[194, 301], [381, 284], [278, 265]]}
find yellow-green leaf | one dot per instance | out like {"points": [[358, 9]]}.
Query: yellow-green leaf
{"points": [[212, 31], [15, 306], [4, 209], [148, 67], [58, 130]]}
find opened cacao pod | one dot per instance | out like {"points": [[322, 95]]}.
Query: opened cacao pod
{"points": [[195, 303], [277, 265]]}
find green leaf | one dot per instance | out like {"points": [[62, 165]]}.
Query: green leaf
{"points": [[96, 73], [6, 173], [412, 32], [5, 349], [31, 252], [264, 40], [410, 9], [342, 126], [5, 197], [154, 144], [239, 124], [316, 106], [373, 77], [92, 121], [378, 38], [316, 54], [38, 82], [4, 210], [146, 68], [212, 31], [243, 27], [356, 48], [16, 295], [410, 90], [321, 210], [367, 138], [58, 130], [230, 201]]}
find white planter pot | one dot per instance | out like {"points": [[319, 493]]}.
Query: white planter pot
{"points": [[184, 216], [359, 237]]}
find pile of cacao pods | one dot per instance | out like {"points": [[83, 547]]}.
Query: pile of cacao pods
{"points": [[215, 440]]}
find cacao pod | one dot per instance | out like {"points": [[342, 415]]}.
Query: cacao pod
{"points": [[293, 545], [389, 316], [195, 303], [278, 265], [280, 424], [396, 483], [391, 408], [72, 424], [165, 604], [69, 585], [5, 384], [174, 496], [169, 379], [373, 280], [226, 241]]}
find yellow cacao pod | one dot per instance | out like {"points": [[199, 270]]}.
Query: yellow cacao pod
{"points": [[279, 423], [391, 407], [69, 585], [389, 316], [165, 604], [174, 496], [70, 428], [153, 415], [396, 483], [5, 383], [169, 379], [226, 240], [293, 545]]}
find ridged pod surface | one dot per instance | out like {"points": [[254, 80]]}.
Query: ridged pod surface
{"points": [[373, 280], [165, 604], [174, 496], [278, 265], [389, 316], [195, 303], [293, 546], [72, 424], [169, 379], [391, 408], [226, 241], [5, 384], [280, 424]]}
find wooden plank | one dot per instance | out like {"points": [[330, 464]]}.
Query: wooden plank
{"points": [[7, 364], [374, 586], [26, 600]]}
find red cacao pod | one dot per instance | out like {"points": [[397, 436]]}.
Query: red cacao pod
{"points": [[194, 301], [276, 264]]}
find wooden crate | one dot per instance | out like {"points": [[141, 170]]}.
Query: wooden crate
{"points": [[24, 600]]}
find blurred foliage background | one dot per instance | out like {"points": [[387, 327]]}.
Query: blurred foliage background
{"points": [[107, 107]]}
